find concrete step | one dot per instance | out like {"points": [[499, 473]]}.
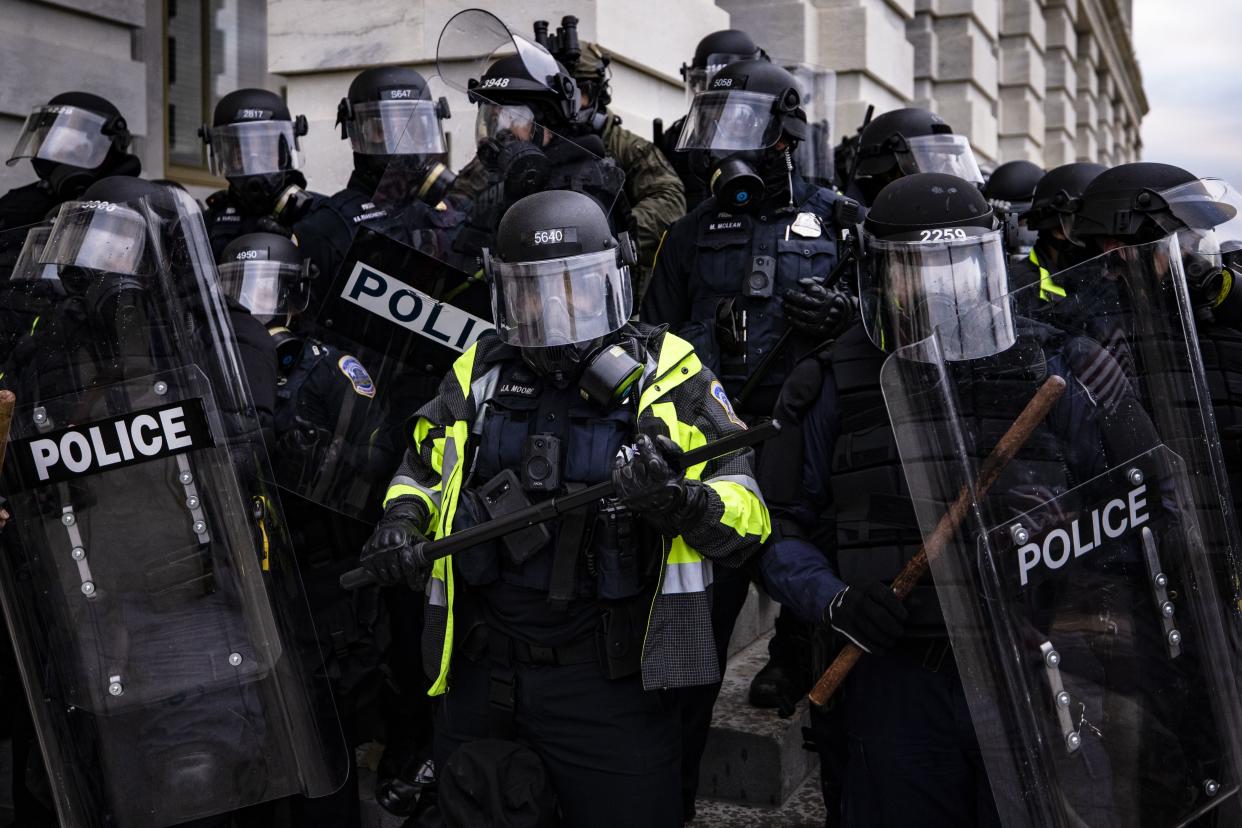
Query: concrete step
{"points": [[805, 809], [756, 619], [753, 756]]}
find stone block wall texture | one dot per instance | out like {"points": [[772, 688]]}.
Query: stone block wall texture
{"points": [[1051, 81], [53, 46]]}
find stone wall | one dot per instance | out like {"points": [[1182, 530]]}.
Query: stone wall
{"points": [[100, 46], [1050, 81], [319, 45]]}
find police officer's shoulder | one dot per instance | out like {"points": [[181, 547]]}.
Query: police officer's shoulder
{"points": [[218, 201]]}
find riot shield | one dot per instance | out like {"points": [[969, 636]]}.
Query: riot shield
{"points": [[818, 87], [147, 579], [1081, 592]]}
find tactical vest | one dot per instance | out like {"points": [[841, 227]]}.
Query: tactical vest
{"points": [[729, 251], [877, 529], [609, 544]]}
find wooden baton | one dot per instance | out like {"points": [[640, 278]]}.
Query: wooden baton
{"points": [[1017, 435], [7, 403]]}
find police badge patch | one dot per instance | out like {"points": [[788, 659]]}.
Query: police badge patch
{"points": [[721, 397], [357, 376]]}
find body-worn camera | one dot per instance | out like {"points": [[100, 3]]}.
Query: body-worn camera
{"points": [[541, 463], [761, 280]]}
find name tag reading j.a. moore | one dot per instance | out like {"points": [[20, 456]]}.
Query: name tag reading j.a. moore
{"points": [[394, 300], [103, 445]]}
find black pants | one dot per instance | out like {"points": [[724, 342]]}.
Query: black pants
{"points": [[729, 591], [612, 750], [913, 757]]}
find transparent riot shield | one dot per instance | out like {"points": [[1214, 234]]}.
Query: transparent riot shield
{"points": [[1082, 590], [814, 156], [147, 578]]}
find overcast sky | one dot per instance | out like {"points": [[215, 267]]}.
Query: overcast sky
{"points": [[1192, 71]]}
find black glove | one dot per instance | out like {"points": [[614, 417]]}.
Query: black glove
{"points": [[648, 484], [389, 554], [816, 311], [869, 614]]}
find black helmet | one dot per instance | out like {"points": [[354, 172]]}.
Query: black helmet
{"points": [[389, 111], [1146, 201], [252, 133], [509, 82], [934, 263], [908, 141], [1057, 195], [560, 279], [748, 105], [266, 273], [1013, 182], [716, 51], [75, 135]]}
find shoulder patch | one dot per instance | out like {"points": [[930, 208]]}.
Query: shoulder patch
{"points": [[721, 397], [357, 376]]}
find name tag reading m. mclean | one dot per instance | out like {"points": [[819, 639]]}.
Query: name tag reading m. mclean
{"points": [[103, 445]]}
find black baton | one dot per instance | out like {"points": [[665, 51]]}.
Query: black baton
{"points": [[554, 507]]}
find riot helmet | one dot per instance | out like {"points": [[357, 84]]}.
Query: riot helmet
{"points": [[1057, 196], [592, 75], [1144, 202], [1009, 189], [73, 141], [909, 141], [934, 264], [715, 52], [389, 116], [560, 281], [266, 274], [253, 141], [748, 120]]}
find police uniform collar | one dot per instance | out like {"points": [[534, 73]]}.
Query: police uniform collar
{"points": [[362, 182]]}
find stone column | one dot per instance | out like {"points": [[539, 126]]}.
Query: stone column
{"points": [[1022, 81], [956, 68], [1060, 65], [1087, 103]]}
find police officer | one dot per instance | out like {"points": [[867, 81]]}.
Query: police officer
{"points": [[653, 190], [1009, 189], [73, 141], [743, 268], [253, 141], [322, 432], [1052, 207], [399, 177], [904, 142], [712, 53], [523, 147], [564, 638]]}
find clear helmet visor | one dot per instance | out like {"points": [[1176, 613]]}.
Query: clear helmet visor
{"points": [[1209, 203], [500, 121], [266, 288], [949, 154], [400, 127], [560, 301], [730, 121], [100, 236], [63, 135], [253, 148], [953, 288], [29, 266], [474, 39]]}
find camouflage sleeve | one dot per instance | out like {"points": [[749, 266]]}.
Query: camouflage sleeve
{"points": [[656, 194], [470, 182]]}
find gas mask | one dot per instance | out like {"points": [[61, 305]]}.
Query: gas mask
{"points": [[64, 181], [280, 194], [742, 181]]}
